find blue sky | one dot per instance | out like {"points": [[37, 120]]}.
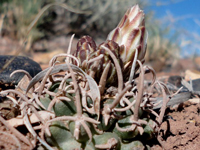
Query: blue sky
{"points": [[182, 15]]}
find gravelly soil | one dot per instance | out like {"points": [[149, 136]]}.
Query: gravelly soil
{"points": [[183, 131], [9, 142]]}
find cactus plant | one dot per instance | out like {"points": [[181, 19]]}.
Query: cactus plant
{"points": [[95, 101]]}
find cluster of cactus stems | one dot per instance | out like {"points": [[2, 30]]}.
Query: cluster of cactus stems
{"points": [[97, 98]]}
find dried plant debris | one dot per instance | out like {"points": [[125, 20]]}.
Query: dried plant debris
{"points": [[97, 99]]}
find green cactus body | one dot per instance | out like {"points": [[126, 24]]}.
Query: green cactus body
{"points": [[71, 144], [63, 139], [83, 136], [130, 112], [149, 131], [135, 145], [63, 107], [45, 101], [89, 146], [124, 124], [111, 122], [107, 127], [107, 139], [59, 134], [54, 87]]}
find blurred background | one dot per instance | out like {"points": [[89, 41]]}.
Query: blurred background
{"points": [[173, 27]]}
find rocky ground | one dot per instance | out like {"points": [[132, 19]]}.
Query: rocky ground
{"points": [[179, 132]]}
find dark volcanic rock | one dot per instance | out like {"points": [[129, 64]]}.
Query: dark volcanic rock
{"points": [[19, 62]]}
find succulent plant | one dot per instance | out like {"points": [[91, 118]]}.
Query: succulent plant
{"points": [[94, 105]]}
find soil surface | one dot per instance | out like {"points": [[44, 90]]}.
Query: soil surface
{"points": [[181, 131], [9, 142]]}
